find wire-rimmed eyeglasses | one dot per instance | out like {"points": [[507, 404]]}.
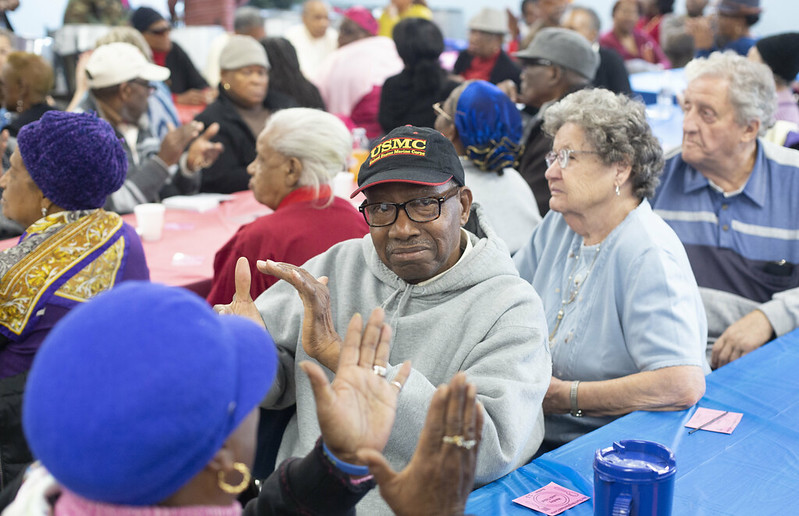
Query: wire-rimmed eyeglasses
{"points": [[423, 209], [562, 156]]}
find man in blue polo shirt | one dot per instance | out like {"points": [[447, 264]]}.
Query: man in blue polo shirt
{"points": [[733, 199]]}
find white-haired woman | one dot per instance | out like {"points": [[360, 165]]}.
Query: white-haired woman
{"points": [[627, 325], [298, 153]]}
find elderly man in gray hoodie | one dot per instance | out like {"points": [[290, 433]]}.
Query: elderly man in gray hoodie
{"points": [[453, 301]]}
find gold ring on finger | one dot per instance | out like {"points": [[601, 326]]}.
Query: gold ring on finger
{"points": [[459, 441]]}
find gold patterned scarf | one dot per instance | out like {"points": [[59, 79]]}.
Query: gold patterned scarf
{"points": [[72, 254]]}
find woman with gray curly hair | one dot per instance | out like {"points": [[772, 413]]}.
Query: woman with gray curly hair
{"points": [[627, 326]]}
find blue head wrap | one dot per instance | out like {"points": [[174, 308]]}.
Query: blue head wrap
{"points": [[489, 126]]}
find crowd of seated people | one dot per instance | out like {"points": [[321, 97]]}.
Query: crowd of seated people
{"points": [[535, 264]]}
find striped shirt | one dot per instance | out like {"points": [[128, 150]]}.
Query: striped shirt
{"points": [[744, 243]]}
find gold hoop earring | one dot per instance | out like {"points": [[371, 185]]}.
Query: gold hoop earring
{"points": [[226, 86], [241, 486]]}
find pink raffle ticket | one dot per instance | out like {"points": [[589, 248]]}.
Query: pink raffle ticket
{"points": [[551, 499], [725, 423]]}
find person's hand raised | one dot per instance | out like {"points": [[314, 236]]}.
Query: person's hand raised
{"points": [[242, 303], [357, 410], [319, 337], [176, 140], [203, 152], [440, 476]]}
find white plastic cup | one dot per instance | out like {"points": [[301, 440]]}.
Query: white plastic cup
{"points": [[150, 220], [343, 185]]}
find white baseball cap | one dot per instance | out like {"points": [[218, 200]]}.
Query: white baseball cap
{"points": [[116, 63]]}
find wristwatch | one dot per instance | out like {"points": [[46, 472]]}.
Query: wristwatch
{"points": [[575, 411]]}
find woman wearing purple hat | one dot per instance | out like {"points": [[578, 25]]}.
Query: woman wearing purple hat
{"points": [[64, 167]]}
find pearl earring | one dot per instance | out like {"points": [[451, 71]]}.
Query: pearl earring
{"points": [[618, 192], [226, 86], [44, 212], [19, 106]]}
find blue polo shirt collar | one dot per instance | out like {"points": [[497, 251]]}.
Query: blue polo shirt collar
{"points": [[755, 188]]}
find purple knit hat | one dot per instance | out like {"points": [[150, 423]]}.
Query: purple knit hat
{"points": [[75, 159]]}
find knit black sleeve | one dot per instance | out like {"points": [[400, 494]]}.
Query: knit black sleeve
{"points": [[311, 485]]}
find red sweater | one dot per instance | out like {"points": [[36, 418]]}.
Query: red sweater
{"points": [[297, 231]]}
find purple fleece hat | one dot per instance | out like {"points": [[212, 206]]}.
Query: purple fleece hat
{"points": [[134, 392], [75, 159]]}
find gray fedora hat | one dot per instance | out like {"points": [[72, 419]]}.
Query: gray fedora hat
{"points": [[563, 47]]}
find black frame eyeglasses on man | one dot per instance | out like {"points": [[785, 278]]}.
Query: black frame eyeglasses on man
{"points": [[423, 209]]}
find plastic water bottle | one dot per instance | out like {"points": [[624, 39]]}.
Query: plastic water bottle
{"points": [[665, 103], [360, 150]]}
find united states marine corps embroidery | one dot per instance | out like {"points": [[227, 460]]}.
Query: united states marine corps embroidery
{"points": [[396, 147]]}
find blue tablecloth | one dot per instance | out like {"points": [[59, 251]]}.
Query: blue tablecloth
{"points": [[667, 127], [647, 85], [665, 121], [755, 470]]}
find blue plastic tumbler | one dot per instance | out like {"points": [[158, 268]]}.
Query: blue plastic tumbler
{"points": [[634, 478]]}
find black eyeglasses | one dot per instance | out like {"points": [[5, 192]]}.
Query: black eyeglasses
{"points": [[160, 31], [535, 61], [424, 209], [144, 84]]}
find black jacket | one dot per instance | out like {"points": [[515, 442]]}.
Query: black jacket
{"points": [[401, 105], [14, 452], [612, 74], [228, 174], [31, 114], [503, 69], [183, 74]]}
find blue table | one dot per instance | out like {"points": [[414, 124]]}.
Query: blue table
{"points": [[647, 85], [755, 470], [667, 126]]}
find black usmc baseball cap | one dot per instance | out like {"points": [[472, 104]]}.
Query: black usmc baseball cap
{"points": [[409, 154]]}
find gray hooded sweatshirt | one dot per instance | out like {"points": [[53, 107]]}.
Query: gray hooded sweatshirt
{"points": [[480, 317]]}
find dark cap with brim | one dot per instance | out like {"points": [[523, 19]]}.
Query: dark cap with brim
{"points": [[408, 154], [739, 7]]}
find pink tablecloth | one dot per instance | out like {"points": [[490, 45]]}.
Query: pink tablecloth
{"points": [[185, 254]]}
